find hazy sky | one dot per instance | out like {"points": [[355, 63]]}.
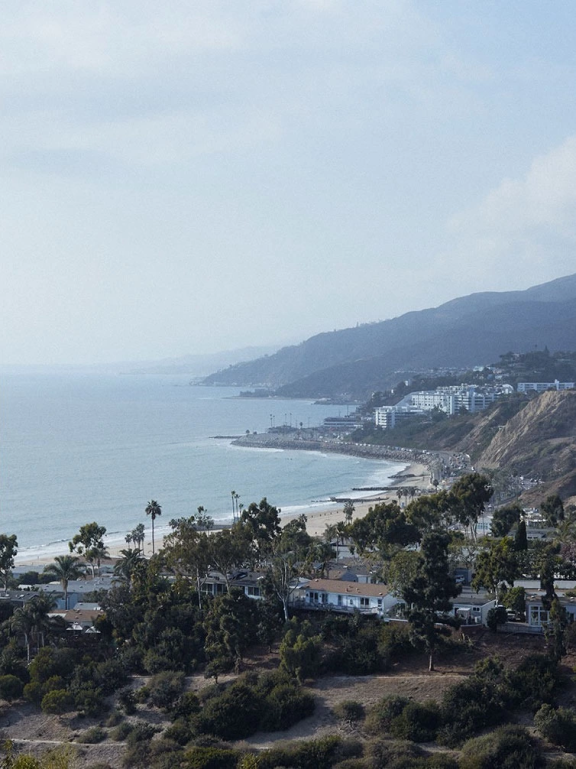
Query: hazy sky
{"points": [[195, 175]]}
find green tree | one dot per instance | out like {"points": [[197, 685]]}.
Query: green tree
{"points": [[154, 510], [496, 566], [32, 621], [300, 651], [187, 552], [429, 593], [64, 568], [521, 538], [260, 524], [8, 551], [504, 519], [89, 542], [348, 511], [230, 628], [470, 494], [552, 510], [126, 567]]}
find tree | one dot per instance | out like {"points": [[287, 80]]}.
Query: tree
{"points": [[429, 593], [227, 550], [187, 551], [521, 538], [552, 510], [470, 494], [153, 509], [260, 524], [138, 534], [8, 551], [126, 567], [32, 621], [496, 566], [504, 519], [89, 542], [230, 626], [64, 568], [348, 511]]}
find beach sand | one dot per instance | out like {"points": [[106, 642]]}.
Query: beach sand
{"points": [[414, 475]]}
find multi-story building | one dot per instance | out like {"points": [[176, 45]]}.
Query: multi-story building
{"points": [[541, 387]]}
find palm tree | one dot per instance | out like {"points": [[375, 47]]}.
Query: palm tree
{"points": [[128, 564], [64, 568], [153, 509], [32, 620]]}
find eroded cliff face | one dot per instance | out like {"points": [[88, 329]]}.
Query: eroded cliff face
{"points": [[539, 441]]}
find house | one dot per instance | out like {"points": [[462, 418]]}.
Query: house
{"points": [[344, 596], [472, 608]]}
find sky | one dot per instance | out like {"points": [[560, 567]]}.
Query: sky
{"points": [[198, 175]]}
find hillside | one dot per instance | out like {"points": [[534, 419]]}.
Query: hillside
{"points": [[463, 332], [539, 441]]}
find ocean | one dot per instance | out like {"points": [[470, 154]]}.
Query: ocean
{"points": [[81, 447]]}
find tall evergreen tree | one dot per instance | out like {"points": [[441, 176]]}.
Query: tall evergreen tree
{"points": [[429, 593]]}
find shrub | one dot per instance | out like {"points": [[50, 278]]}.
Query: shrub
{"points": [[468, 707], [89, 701], [57, 701], [110, 676], [533, 683], [141, 732], [180, 732], [114, 718], [419, 722], [557, 726], [165, 688], [232, 716], [313, 754], [210, 758], [285, 706], [509, 747], [187, 705], [10, 687], [383, 712], [350, 710], [122, 731], [92, 736], [127, 700]]}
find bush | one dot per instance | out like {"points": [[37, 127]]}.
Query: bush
{"points": [[141, 732], [10, 687], [165, 688], [382, 714], [467, 708], [285, 706], [349, 710], [114, 718], [180, 732], [419, 722], [127, 700], [313, 754], [122, 731], [210, 758], [187, 705], [533, 683], [92, 736], [57, 702], [557, 726], [509, 747], [232, 716]]}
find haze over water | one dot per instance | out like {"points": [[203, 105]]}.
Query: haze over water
{"points": [[78, 447]]}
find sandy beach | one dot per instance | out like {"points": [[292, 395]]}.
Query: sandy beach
{"points": [[414, 475]]}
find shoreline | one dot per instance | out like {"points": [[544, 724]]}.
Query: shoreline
{"points": [[414, 474]]}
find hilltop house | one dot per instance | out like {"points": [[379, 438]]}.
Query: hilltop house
{"points": [[344, 596]]}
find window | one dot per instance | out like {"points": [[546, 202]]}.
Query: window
{"points": [[254, 591], [364, 602]]}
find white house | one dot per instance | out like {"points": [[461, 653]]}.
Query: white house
{"points": [[342, 596]]}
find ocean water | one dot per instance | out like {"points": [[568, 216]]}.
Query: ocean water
{"points": [[77, 447]]}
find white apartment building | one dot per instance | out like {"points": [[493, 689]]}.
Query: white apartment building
{"points": [[451, 400], [541, 387]]}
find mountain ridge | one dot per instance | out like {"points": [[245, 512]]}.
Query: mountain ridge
{"points": [[466, 331]]}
